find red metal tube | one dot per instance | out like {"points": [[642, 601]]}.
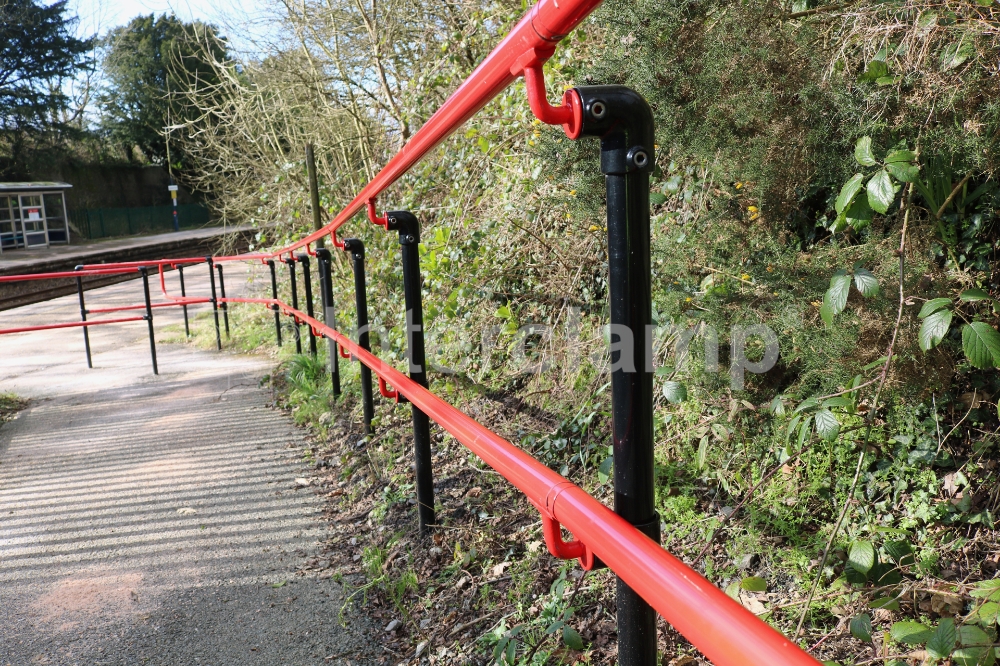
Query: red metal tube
{"points": [[72, 324], [142, 306], [67, 274], [726, 632]]}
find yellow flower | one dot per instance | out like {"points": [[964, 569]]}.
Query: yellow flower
{"points": [[770, 269], [816, 304], [530, 142], [739, 185], [775, 293], [656, 146], [754, 216], [572, 193], [593, 227], [752, 209], [688, 299], [568, 216], [745, 277]]}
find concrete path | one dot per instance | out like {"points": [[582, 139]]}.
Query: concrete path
{"points": [[155, 520]]}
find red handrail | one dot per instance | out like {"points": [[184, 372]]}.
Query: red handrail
{"points": [[72, 324], [721, 628]]}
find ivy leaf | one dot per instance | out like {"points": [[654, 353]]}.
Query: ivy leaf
{"points": [[572, 639], [881, 192], [910, 632], [974, 295], [674, 392], [942, 642], [862, 556], [933, 306], [827, 424], [848, 192], [866, 283], [863, 152], [981, 344], [860, 214], [861, 627], [836, 295], [896, 156], [933, 330], [604, 471], [903, 171], [754, 584], [900, 552]]}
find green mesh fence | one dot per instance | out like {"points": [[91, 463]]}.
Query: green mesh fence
{"points": [[111, 222]]}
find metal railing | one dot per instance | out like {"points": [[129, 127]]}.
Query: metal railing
{"points": [[626, 540]]}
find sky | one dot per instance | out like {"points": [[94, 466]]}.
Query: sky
{"points": [[243, 22]]}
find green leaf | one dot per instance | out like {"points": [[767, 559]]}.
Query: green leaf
{"points": [[702, 451], [876, 69], [969, 635], [861, 627], [836, 295], [942, 642], [865, 282], [973, 656], [888, 603], [957, 53], [503, 312], [895, 156], [933, 306], [881, 192], [900, 552], [754, 584], [987, 589], [987, 613], [863, 152], [910, 632], [862, 556], [933, 329], [848, 192], [826, 313], [888, 80], [604, 471], [656, 198], [572, 639], [733, 590], [827, 424], [902, 171], [674, 392], [860, 214], [974, 295], [777, 406], [981, 344]]}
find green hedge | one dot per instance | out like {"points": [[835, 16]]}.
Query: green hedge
{"points": [[111, 222]]}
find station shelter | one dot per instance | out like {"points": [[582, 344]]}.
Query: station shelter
{"points": [[33, 215]]}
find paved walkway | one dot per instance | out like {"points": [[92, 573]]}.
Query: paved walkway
{"points": [[154, 520]]}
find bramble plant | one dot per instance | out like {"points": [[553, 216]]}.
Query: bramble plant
{"points": [[835, 298], [881, 188], [980, 341]]}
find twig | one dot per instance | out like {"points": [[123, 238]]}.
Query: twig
{"points": [[869, 420], [951, 196]]}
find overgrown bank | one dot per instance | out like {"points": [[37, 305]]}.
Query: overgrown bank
{"points": [[827, 173]]}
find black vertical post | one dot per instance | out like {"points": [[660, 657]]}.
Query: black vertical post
{"points": [[307, 285], [222, 292], [329, 316], [274, 295], [83, 317], [187, 327], [149, 316], [215, 302], [624, 123], [357, 250], [409, 241], [295, 304]]}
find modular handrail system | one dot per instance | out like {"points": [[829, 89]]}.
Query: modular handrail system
{"points": [[649, 577]]}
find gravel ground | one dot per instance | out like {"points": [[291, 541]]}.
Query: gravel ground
{"points": [[156, 520]]}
